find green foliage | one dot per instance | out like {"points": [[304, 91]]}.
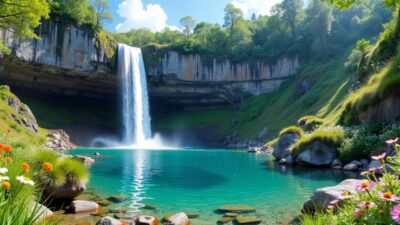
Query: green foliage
{"points": [[93, 13], [292, 130], [331, 136], [312, 31], [21, 16], [73, 169]]}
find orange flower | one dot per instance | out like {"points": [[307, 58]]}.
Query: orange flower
{"points": [[25, 167], [8, 159], [5, 184], [7, 148], [48, 166], [1, 146]]}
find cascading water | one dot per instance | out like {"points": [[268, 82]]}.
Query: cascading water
{"points": [[136, 116]]}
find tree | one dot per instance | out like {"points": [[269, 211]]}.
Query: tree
{"points": [[21, 16], [320, 21], [188, 23], [292, 12], [232, 16], [101, 12], [202, 31]]}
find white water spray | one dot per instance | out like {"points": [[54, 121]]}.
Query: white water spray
{"points": [[136, 116]]}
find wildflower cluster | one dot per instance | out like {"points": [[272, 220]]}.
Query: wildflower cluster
{"points": [[376, 198]]}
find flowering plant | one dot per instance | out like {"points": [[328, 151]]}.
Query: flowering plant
{"points": [[376, 199]]}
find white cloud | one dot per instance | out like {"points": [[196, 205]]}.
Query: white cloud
{"points": [[135, 16], [259, 7]]}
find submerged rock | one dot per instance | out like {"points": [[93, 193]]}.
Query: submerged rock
{"points": [[118, 198], [237, 208], [178, 219], [225, 219], [282, 149], [247, 220], [321, 197], [81, 206], [84, 159]]}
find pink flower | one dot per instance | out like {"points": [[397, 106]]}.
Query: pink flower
{"points": [[359, 213], [379, 157], [388, 196], [392, 141], [367, 204], [395, 214], [365, 185], [373, 169]]}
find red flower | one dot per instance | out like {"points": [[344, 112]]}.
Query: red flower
{"points": [[7, 148]]}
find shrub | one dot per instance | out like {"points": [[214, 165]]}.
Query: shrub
{"points": [[375, 202], [332, 136], [360, 143], [292, 130], [73, 169]]}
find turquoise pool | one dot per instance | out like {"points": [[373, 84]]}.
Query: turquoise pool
{"points": [[202, 180]]}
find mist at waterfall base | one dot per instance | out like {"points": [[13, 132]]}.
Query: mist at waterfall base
{"points": [[136, 118]]}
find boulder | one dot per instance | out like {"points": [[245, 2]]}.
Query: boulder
{"points": [[364, 163], [287, 161], [68, 191], [321, 197], [352, 166], [145, 220], [224, 220], [81, 206], [108, 221], [237, 208], [318, 154], [178, 219], [247, 220], [59, 140], [282, 149], [41, 211]]}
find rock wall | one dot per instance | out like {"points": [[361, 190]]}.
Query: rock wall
{"points": [[255, 77], [60, 45]]}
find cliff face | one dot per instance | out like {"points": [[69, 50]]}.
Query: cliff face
{"points": [[60, 45], [256, 77]]}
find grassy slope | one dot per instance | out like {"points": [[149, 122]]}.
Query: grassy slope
{"points": [[284, 107], [8, 123], [279, 109]]}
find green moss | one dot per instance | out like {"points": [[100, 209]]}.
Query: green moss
{"points": [[292, 130], [331, 136], [310, 120]]}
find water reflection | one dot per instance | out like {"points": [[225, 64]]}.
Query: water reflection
{"points": [[137, 177]]}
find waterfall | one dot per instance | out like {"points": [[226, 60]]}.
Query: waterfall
{"points": [[136, 116]]}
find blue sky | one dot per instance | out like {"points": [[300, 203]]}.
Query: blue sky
{"points": [[157, 14]]}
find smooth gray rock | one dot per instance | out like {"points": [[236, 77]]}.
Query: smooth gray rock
{"points": [[364, 163], [352, 166], [336, 163], [178, 219], [68, 191], [318, 154], [108, 221], [41, 211], [321, 197], [282, 149], [81, 206], [84, 159], [145, 220]]}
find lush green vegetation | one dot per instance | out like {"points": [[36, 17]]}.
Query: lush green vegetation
{"points": [[26, 169], [310, 122], [311, 31], [331, 136]]}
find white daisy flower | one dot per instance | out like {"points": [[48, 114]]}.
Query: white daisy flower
{"points": [[3, 178], [25, 180], [3, 170]]}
